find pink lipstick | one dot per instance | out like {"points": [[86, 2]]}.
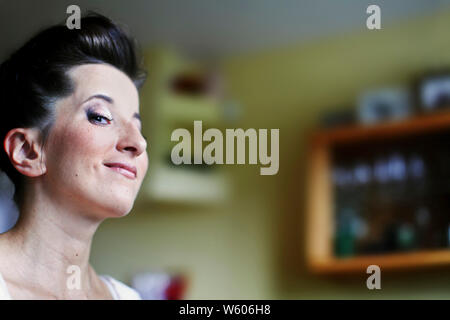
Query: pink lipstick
{"points": [[123, 168]]}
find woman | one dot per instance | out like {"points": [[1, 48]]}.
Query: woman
{"points": [[72, 146]]}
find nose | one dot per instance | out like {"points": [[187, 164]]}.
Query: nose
{"points": [[131, 140]]}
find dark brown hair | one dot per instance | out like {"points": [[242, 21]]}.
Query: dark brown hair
{"points": [[34, 77]]}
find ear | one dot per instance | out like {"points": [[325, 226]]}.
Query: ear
{"points": [[23, 147]]}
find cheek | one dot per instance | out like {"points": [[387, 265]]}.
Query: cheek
{"points": [[78, 146], [143, 164]]}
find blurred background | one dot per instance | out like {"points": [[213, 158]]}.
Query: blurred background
{"points": [[364, 144]]}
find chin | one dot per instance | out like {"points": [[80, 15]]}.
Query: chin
{"points": [[122, 210], [118, 207]]}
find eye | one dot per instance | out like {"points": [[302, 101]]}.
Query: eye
{"points": [[97, 118]]}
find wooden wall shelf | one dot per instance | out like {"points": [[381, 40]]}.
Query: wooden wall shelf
{"points": [[350, 134], [320, 226]]}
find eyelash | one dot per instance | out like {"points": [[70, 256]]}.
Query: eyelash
{"points": [[94, 116]]}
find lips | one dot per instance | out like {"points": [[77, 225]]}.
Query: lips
{"points": [[127, 170]]}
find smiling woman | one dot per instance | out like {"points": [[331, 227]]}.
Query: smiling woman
{"points": [[73, 148]]}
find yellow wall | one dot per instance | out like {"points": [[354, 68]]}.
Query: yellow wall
{"points": [[253, 247]]}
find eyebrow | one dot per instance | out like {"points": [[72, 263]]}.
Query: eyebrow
{"points": [[100, 96], [110, 101]]}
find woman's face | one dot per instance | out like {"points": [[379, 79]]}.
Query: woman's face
{"points": [[95, 154]]}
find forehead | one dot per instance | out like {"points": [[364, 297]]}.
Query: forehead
{"points": [[92, 79]]}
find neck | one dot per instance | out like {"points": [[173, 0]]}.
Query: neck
{"points": [[47, 240]]}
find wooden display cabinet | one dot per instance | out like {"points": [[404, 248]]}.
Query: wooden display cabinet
{"points": [[322, 225]]}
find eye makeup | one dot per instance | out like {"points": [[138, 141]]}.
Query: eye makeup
{"points": [[96, 114], [98, 117]]}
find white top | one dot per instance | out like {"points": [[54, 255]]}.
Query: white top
{"points": [[118, 290]]}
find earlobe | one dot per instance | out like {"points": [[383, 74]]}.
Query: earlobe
{"points": [[22, 145]]}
